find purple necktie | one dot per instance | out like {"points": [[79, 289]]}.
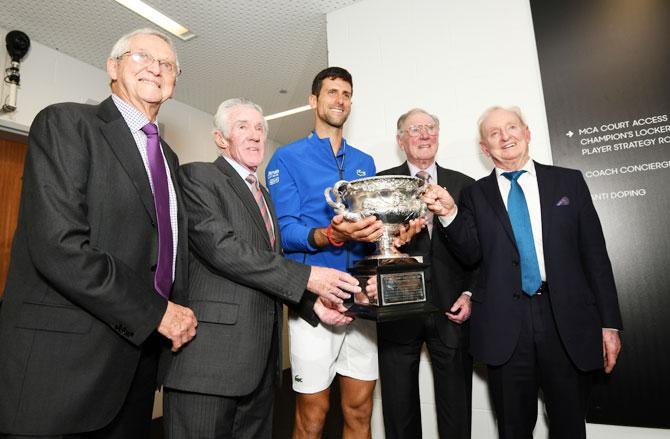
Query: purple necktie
{"points": [[159, 179]]}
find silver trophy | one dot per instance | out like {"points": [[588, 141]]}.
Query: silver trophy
{"points": [[395, 200]]}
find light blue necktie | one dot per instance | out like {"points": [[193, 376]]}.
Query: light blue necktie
{"points": [[517, 210]]}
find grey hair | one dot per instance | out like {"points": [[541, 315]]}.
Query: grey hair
{"points": [[513, 109], [122, 45], [403, 117], [223, 113]]}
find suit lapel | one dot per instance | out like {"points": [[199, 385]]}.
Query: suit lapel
{"points": [[182, 220], [492, 194], [422, 240], [273, 217], [121, 142], [403, 169], [547, 190], [244, 194]]}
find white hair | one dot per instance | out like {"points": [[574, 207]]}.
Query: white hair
{"points": [[122, 45], [222, 116], [403, 118], [513, 109]]}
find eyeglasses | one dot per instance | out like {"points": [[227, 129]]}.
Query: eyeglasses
{"points": [[144, 59], [416, 130]]}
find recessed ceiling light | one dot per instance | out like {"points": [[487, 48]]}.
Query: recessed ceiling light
{"points": [[158, 18]]}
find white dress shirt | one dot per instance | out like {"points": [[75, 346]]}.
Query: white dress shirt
{"points": [[244, 172], [528, 183], [135, 120]]}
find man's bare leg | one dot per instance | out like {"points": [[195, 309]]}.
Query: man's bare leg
{"points": [[310, 414], [356, 407]]}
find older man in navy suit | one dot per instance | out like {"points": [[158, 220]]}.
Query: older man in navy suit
{"points": [[545, 311]]}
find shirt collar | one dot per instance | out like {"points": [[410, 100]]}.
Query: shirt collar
{"points": [[313, 137], [529, 167], [432, 170], [134, 118], [243, 171]]}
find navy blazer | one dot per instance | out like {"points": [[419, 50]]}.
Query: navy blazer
{"points": [[578, 270]]}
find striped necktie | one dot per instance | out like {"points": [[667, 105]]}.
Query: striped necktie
{"points": [[251, 178]]}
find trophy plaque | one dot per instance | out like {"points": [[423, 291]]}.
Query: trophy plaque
{"points": [[395, 200]]}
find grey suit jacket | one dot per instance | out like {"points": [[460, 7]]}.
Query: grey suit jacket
{"points": [[238, 283], [79, 300]]}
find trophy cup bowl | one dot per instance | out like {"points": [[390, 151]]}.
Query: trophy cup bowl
{"points": [[395, 200]]}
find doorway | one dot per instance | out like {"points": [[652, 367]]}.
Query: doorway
{"points": [[13, 149]]}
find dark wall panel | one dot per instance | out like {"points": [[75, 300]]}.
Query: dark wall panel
{"points": [[605, 67]]}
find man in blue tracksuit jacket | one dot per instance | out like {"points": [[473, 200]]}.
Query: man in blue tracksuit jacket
{"points": [[297, 176]]}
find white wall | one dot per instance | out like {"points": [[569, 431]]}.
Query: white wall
{"points": [[454, 59], [49, 76]]}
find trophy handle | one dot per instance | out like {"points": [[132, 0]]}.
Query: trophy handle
{"points": [[423, 187], [337, 205], [356, 216]]}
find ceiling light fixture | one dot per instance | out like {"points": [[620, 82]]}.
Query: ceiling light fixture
{"points": [[158, 18], [288, 112]]}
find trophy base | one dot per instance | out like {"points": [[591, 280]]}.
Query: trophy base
{"points": [[389, 313], [401, 289]]}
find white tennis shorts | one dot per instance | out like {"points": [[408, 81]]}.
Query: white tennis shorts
{"points": [[317, 354]]}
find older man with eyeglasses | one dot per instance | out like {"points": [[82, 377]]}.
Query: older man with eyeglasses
{"points": [[99, 251], [448, 283]]}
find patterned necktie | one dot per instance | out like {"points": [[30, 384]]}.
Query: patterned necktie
{"points": [[517, 209], [425, 176], [159, 180], [251, 178]]}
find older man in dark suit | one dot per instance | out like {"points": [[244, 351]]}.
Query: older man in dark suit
{"points": [[221, 384], [448, 284], [98, 252], [545, 309]]}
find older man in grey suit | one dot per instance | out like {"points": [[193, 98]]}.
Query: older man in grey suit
{"points": [[220, 385], [99, 254]]}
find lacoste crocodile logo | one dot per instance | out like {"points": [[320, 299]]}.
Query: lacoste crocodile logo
{"points": [[298, 379]]}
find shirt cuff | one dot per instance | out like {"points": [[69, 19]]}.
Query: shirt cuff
{"points": [[467, 293], [310, 239], [448, 219]]}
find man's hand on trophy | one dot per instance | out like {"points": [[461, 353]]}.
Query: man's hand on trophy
{"points": [[439, 201], [331, 313], [333, 285], [371, 287], [368, 229], [407, 233]]}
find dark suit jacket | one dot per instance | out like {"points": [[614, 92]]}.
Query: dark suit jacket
{"points": [[581, 284], [238, 282], [80, 299], [447, 277]]}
